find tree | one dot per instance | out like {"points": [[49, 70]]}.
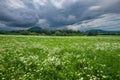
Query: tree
{"points": [[57, 33], [92, 33]]}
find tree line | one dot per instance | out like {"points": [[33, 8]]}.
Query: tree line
{"points": [[43, 32]]}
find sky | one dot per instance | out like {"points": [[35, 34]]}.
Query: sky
{"points": [[60, 14]]}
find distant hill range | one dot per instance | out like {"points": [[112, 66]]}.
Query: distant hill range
{"points": [[102, 32], [39, 31], [35, 29], [91, 31]]}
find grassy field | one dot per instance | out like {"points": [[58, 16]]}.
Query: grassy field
{"points": [[59, 58]]}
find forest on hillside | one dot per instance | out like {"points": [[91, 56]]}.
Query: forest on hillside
{"points": [[43, 32]]}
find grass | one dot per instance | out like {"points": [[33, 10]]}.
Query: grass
{"points": [[59, 58]]}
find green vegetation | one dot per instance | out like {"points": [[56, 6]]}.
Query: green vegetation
{"points": [[59, 58], [46, 32]]}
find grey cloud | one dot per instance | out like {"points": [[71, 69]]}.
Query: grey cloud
{"points": [[105, 22], [54, 13], [17, 15]]}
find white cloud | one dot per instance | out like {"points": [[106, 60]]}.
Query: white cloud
{"points": [[16, 4], [38, 3], [74, 27], [71, 18], [94, 7], [43, 23], [105, 22], [58, 3]]}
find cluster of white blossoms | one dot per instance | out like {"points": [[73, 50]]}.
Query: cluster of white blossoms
{"points": [[107, 46]]}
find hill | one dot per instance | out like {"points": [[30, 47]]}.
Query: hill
{"points": [[39, 31], [101, 32]]}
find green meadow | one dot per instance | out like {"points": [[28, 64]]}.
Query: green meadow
{"points": [[59, 58]]}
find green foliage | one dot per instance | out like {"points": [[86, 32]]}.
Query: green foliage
{"points": [[58, 33], [92, 33], [45, 32], [59, 58]]}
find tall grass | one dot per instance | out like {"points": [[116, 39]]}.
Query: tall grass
{"points": [[59, 58]]}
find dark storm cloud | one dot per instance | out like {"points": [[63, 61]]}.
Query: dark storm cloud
{"points": [[54, 13], [16, 13]]}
